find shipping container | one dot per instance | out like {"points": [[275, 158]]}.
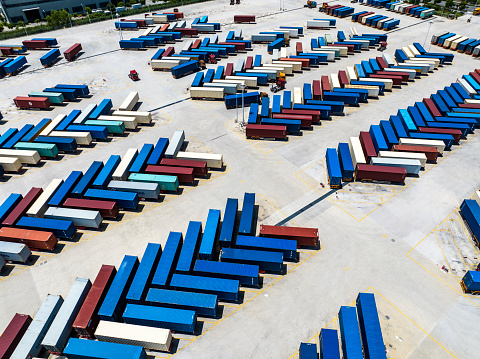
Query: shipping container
{"points": [[82, 88], [189, 248], [246, 274], [125, 200], [48, 150], [14, 252], [87, 179], [140, 189], [228, 224], [21, 208], [13, 333], [72, 52], [365, 172], [48, 59], [367, 145], [412, 166], [80, 217], [266, 260], [209, 244], [164, 182], [225, 289], [471, 282], [307, 351], [370, 330], [175, 144], [13, 67], [57, 335], [333, 168], [87, 318], [10, 164], [65, 189], [470, 211], [105, 174], [304, 236], [247, 219], [328, 344], [200, 168], [9, 204], [30, 344], [121, 173], [350, 333], [287, 247], [346, 163], [83, 348], [59, 228], [31, 102], [168, 260], [213, 160], [36, 240]]}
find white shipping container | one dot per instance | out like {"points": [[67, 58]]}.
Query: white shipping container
{"points": [[228, 88], [388, 82], [164, 64], [130, 334], [158, 19], [296, 66], [80, 217], [58, 333], [129, 122], [82, 138], [291, 32], [356, 151], [147, 32], [381, 22], [249, 81], [429, 61], [466, 86], [286, 36], [214, 160], [284, 52], [476, 197], [471, 100], [122, 172], [30, 345], [412, 167], [440, 145], [85, 114], [10, 164], [262, 70], [285, 68], [426, 67], [143, 189], [175, 144], [405, 155], [156, 29], [187, 46], [51, 126], [373, 91], [388, 59], [149, 21], [343, 50], [239, 83], [206, 92], [351, 74], [130, 101], [364, 19], [297, 95], [40, 206], [448, 42], [330, 53], [318, 24], [140, 116], [328, 39], [14, 252], [406, 50], [25, 156], [353, 31], [414, 50], [334, 81], [180, 59], [239, 66], [411, 73]]}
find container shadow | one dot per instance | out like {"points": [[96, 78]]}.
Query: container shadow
{"points": [[198, 328], [79, 54], [58, 248], [137, 106], [6, 270], [173, 348]]}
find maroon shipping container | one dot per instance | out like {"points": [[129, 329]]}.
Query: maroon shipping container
{"points": [[314, 113], [403, 75], [13, 333], [381, 63], [184, 174], [329, 9], [31, 102], [35, 44], [239, 46], [457, 134], [22, 207], [380, 173], [6, 51], [469, 105], [432, 108], [342, 77], [304, 236], [178, 15], [351, 47], [305, 62], [359, 17], [87, 318], [229, 69], [306, 120], [298, 48], [243, 18], [200, 168], [325, 84], [266, 131], [38, 240], [317, 90], [475, 76], [140, 23], [169, 51], [367, 145], [108, 209], [186, 31], [196, 44], [249, 62], [477, 71], [397, 80], [72, 52], [430, 152]]}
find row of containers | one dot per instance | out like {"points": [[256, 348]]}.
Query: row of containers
{"points": [[83, 200], [459, 43], [371, 19], [224, 82], [68, 133], [360, 332], [149, 20], [416, 135], [56, 95], [402, 8], [470, 212], [140, 305], [329, 95]]}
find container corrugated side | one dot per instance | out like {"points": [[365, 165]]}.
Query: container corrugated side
{"points": [[203, 304], [370, 330], [225, 289], [84, 348], [168, 260]]}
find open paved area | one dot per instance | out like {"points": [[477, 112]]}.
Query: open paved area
{"points": [[389, 240]]}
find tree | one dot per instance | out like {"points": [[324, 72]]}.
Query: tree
{"points": [[58, 18], [449, 4], [88, 10], [132, 2], [142, 2], [37, 21], [120, 4], [462, 6], [10, 25], [1, 27], [110, 7], [437, 1]]}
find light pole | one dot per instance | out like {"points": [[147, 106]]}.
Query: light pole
{"points": [[243, 104], [236, 106], [70, 18], [25, 27], [88, 15], [431, 22], [120, 28]]}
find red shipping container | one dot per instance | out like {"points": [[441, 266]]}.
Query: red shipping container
{"points": [[432, 108], [380, 173], [140, 23], [169, 51], [469, 105], [403, 75], [430, 152], [87, 318], [249, 62], [317, 90], [35, 44], [164, 27], [306, 120], [367, 146], [6, 51], [186, 31], [351, 47], [305, 62], [381, 62], [325, 84], [342, 77], [200, 168], [13, 333], [178, 15], [22, 207], [229, 69], [72, 52], [397, 80], [298, 48], [239, 46], [108, 209], [359, 18], [314, 113], [243, 18], [184, 174], [304, 236], [477, 71], [475, 76], [31, 102], [457, 134], [266, 131], [329, 9], [38, 240]]}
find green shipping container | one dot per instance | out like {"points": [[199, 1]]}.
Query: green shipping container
{"points": [[54, 97], [43, 149], [166, 183], [112, 126]]}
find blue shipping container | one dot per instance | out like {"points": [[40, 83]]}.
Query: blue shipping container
{"points": [[105, 175], [178, 320], [266, 261], [247, 219], [60, 228], [333, 168], [189, 248], [471, 213], [65, 188], [87, 179], [209, 245], [370, 329], [377, 138], [286, 246], [246, 274], [308, 351], [229, 218], [346, 163], [329, 348], [158, 151], [350, 333], [225, 289], [84, 348], [168, 260], [203, 304], [125, 200]]}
